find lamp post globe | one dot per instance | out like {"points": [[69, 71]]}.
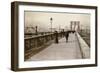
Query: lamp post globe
{"points": [[51, 19]]}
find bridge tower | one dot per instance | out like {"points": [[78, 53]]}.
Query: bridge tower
{"points": [[75, 26]]}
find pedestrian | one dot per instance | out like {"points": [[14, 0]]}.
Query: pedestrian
{"points": [[73, 31], [66, 35], [56, 37]]}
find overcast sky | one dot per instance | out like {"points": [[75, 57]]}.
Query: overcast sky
{"points": [[42, 19]]}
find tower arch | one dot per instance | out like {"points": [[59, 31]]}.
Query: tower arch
{"points": [[75, 25]]}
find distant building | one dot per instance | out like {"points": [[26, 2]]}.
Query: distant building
{"points": [[29, 30]]}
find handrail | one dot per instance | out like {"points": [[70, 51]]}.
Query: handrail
{"points": [[33, 44], [85, 50]]}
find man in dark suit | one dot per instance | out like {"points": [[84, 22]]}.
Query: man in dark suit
{"points": [[56, 37], [66, 35]]}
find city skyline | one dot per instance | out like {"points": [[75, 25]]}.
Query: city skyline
{"points": [[59, 20]]}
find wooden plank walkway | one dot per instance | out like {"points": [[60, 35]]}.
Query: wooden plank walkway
{"points": [[60, 51]]}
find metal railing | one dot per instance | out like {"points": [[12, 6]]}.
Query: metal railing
{"points": [[37, 43]]}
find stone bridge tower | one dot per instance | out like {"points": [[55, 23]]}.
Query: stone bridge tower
{"points": [[75, 25]]}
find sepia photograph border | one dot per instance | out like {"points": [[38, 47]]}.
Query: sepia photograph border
{"points": [[15, 35]]}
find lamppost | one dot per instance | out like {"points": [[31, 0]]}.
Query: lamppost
{"points": [[51, 19], [36, 30], [71, 24], [59, 28]]}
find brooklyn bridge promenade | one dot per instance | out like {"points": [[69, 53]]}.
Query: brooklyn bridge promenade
{"points": [[75, 48]]}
